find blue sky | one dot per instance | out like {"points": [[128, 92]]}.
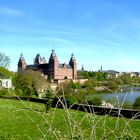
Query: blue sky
{"points": [[98, 32]]}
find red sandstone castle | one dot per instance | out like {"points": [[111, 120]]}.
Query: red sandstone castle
{"points": [[53, 68]]}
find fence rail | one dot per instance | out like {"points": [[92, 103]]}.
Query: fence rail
{"points": [[127, 113]]}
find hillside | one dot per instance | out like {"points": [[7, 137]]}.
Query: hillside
{"points": [[25, 120]]}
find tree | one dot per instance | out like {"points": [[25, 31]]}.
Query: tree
{"points": [[4, 60], [136, 104], [5, 73], [101, 76], [23, 85], [30, 82], [126, 78]]}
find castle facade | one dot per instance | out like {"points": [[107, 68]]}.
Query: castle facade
{"points": [[52, 69]]}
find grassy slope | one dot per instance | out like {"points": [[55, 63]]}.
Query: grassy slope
{"points": [[26, 120]]}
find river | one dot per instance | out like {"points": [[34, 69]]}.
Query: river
{"points": [[125, 94]]}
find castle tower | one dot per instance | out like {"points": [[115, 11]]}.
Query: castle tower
{"points": [[82, 68], [73, 64], [53, 64], [39, 60], [101, 69], [21, 63]]}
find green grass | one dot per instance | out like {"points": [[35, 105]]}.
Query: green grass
{"points": [[22, 120]]}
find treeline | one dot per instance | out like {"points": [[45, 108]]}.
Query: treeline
{"points": [[33, 84], [110, 79], [27, 83]]}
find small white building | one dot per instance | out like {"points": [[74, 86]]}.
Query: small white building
{"points": [[107, 105], [5, 83]]}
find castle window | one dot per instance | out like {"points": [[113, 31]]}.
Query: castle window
{"points": [[65, 77]]}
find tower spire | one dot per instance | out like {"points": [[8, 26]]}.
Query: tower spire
{"points": [[21, 63], [73, 64], [101, 68], [82, 68]]}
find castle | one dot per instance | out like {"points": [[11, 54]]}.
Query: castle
{"points": [[53, 69]]}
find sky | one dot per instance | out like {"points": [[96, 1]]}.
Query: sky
{"points": [[99, 32]]}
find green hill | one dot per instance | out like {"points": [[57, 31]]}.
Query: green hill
{"points": [[22, 120]]}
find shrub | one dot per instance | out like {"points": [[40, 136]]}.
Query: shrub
{"points": [[81, 96], [137, 103], [4, 92], [127, 105], [49, 100], [70, 100], [95, 101]]}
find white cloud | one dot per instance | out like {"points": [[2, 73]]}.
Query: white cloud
{"points": [[10, 12]]}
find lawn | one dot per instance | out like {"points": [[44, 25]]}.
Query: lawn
{"points": [[22, 120]]}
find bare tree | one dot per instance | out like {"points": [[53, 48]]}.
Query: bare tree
{"points": [[4, 60]]}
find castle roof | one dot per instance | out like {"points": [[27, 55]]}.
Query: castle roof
{"points": [[65, 65]]}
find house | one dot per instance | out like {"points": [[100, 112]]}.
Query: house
{"points": [[5, 83]]}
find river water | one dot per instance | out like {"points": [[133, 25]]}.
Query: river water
{"points": [[125, 94]]}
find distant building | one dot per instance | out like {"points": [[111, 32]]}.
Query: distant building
{"points": [[5, 83], [134, 74], [101, 69], [52, 69], [112, 73], [106, 105], [82, 69]]}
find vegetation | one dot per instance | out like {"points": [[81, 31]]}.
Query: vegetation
{"points": [[4, 60], [5, 73], [30, 83], [109, 79], [5, 92], [26, 120], [137, 103]]}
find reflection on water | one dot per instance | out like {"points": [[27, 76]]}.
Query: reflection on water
{"points": [[125, 94]]}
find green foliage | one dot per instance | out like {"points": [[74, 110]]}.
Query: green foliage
{"points": [[137, 103], [4, 60], [68, 88], [126, 78], [136, 80], [112, 84], [49, 99], [24, 83], [70, 100], [4, 92], [96, 100], [90, 74], [101, 76], [5, 136], [127, 105], [74, 85], [22, 120], [5, 73], [80, 96], [30, 83]]}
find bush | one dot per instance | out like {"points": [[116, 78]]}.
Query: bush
{"points": [[137, 103], [70, 100], [66, 101], [95, 101], [80, 96], [127, 105], [4, 92], [49, 100]]}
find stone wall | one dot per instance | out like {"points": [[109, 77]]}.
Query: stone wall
{"points": [[63, 73]]}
